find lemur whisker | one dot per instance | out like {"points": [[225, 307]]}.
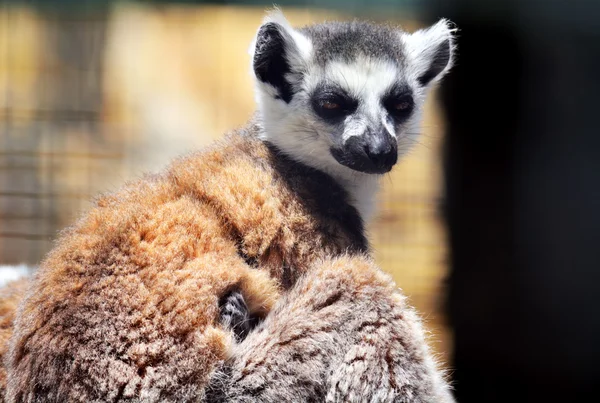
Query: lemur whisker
{"points": [[344, 77], [389, 177]]}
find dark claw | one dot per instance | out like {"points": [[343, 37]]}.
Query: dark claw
{"points": [[234, 315]]}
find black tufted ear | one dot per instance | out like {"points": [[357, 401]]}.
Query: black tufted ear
{"points": [[430, 52], [280, 54], [269, 62]]}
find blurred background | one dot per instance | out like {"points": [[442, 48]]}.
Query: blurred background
{"points": [[490, 225]]}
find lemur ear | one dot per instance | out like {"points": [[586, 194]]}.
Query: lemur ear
{"points": [[278, 53], [431, 51]]}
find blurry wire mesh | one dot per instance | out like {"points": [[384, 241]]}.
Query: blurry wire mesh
{"points": [[91, 99], [52, 148]]}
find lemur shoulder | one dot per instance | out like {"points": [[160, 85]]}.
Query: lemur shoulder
{"points": [[241, 272]]}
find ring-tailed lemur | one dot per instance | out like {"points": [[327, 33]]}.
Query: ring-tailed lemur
{"points": [[346, 98], [152, 295]]}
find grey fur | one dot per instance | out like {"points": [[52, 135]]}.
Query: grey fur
{"points": [[346, 40], [344, 333]]}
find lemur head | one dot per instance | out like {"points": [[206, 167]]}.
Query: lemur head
{"points": [[345, 97]]}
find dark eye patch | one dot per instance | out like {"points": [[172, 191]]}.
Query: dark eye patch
{"points": [[332, 104], [399, 103]]}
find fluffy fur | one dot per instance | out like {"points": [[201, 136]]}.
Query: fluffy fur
{"points": [[127, 303], [140, 300], [10, 296], [343, 334]]}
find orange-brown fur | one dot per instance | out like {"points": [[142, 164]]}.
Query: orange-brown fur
{"points": [[10, 296], [126, 304]]}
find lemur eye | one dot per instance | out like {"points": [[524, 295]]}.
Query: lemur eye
{"points": [[402, 106], [399, 107], [330, 105]]}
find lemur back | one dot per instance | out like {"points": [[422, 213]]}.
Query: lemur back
{"points": [[134, 286], [154, 294]]}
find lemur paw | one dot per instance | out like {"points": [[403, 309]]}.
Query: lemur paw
{"points": [[234, 315]]}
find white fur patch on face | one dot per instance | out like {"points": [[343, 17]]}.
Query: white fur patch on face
{"points": [[363, 78], [367, 80], [354, 126]]}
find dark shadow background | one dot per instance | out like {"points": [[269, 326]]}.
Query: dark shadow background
{"points": [[522, 165]]}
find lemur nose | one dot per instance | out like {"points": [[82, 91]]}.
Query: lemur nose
{"points": [[382, 152]]}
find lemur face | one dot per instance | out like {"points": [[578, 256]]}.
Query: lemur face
{"points": [[346, 96]]}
